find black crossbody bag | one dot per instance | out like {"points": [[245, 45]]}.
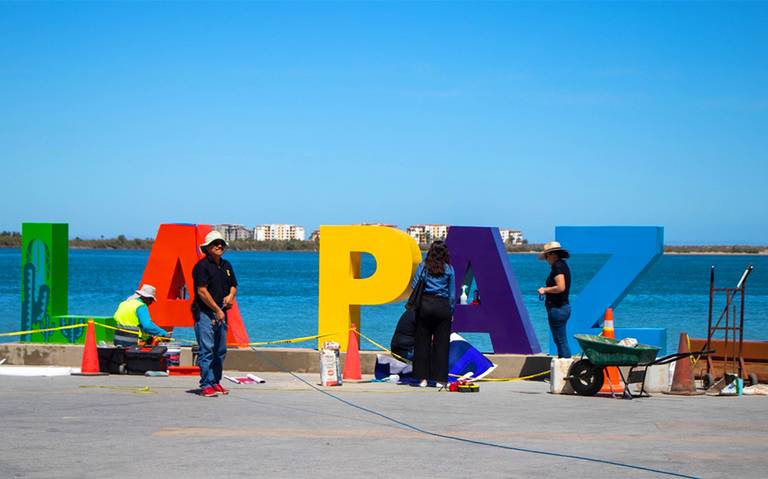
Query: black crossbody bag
{"points": [[414, 300]]}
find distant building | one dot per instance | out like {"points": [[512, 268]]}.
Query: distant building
{"points": [[278, 232], [511, 237], [233, 232], [260, 233], [378, 224], [425, 234], [315, 236]]}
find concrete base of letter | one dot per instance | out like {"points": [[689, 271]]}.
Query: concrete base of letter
{"points": [[657, 380]]}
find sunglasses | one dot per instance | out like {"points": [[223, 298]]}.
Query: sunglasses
{"points": [[218, 243]]}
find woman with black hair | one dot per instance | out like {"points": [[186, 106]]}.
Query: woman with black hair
{"points": [[556, 292], [433, 317]]}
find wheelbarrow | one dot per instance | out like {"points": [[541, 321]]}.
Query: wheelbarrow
{"points": [[586, 375]]}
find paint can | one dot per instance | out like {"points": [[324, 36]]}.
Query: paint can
{"points": [[173, 354], [330, 364]]}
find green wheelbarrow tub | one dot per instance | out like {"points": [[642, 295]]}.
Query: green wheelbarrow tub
{"points": [[603, 351]]}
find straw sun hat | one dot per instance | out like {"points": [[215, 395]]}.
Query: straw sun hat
{"points": [[552, 247]]}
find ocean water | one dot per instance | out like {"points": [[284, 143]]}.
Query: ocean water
{"points": [[278, 292]]}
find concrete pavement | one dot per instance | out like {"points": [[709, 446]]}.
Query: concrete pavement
{"points": [[132, 426]]}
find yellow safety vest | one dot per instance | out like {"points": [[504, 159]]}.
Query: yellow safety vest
{"points": [[126, 317]]}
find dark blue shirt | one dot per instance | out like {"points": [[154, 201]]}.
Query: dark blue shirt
{"points": [[441, 285], [556, 300], [218, 279]]}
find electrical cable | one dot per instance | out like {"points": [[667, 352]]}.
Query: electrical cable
{"points": [[482, 443], [405, 424]]}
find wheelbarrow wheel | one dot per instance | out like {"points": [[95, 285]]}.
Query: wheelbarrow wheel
{"points": [[752, 378], [708, 380], [586, 378]]}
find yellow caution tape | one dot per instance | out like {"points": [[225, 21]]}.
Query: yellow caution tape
{"points": [[522, 378], [693, 359], [136, 333], [261, 343], [32, 331], [293, 340], [178, 340], [399, 358], [128, 331], [137, 390], [266, 343], [82, 325]]}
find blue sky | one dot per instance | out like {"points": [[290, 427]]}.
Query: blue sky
{"points": [[118, 117]]}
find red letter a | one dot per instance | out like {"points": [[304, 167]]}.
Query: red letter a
{"points": [[169, 269]]}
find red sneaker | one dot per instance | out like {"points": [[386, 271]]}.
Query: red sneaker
{"points": [[219, 388], [209, 392]]}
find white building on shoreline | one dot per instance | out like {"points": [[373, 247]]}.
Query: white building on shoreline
{"points": [[511, 237], [422, 233], [425, 234], [234, 232], [278, 232]]}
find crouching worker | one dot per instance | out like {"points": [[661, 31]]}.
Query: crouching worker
{"points": [[133, 315], [403, 340]]}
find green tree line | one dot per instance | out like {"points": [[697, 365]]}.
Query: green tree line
{"points": [[12, 239]]}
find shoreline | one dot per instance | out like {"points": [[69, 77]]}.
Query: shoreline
{"points": [[14, 241]]}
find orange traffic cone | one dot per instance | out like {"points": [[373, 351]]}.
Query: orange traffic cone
{"points": [[612, 384], [352, 361], [90, 363], [683, 382]]}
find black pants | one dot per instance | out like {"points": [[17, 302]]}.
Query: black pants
{"points": [[433, 336]]}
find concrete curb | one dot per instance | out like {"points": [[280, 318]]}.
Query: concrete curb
{"points": [[298, 360]]}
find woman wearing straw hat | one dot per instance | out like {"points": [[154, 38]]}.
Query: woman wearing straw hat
{"points": [[556, 292]]}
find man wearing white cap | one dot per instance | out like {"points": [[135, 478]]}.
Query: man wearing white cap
{"points": [[133, 315], [215, 288]]}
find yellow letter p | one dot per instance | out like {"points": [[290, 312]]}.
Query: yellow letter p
{"points": [[341, 289]]}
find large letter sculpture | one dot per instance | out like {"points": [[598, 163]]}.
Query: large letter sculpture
{"points": [[44, 279], [44, 288], [633, 250], [479, 252], [341, 289], [174, 254]]}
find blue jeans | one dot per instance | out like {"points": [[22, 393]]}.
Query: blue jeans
{"points": [[558, 317], [212, 340]]}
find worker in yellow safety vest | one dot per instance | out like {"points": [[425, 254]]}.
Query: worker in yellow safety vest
{"points": [[132, 317]]}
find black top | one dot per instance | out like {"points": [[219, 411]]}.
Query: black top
{"points": [[217, 278], [555, 300]]}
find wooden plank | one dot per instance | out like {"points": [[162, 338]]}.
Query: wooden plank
{"points": [[755, 357]]}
